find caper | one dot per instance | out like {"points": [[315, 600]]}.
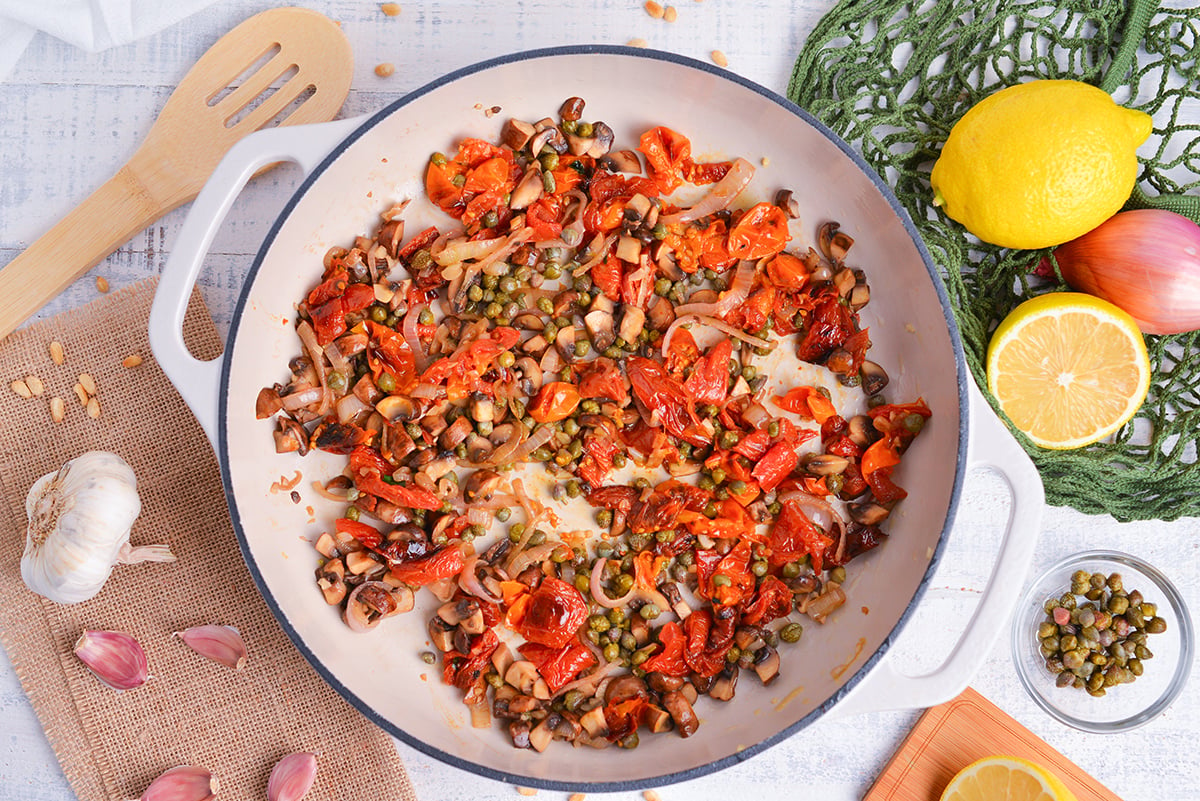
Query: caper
{"points": [[791, 632]]}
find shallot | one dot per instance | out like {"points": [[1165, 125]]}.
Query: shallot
{"points": [[1145, 261]]}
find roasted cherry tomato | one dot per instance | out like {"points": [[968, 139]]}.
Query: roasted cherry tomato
{"points": [[555, 401], [552, 614]]}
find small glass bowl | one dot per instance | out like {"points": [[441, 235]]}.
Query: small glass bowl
{"points": [[1124, 706]]}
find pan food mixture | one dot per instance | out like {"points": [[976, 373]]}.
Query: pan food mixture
{"points": [[555, 318]]}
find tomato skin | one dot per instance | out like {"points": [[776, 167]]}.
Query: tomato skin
{"points": [[709, 381], [669, 661], [807, 402], [466, 671], [734, 565], [555, 401], [367, 535], [762, 231], [666, 152], [829, 325], [602, 379], [787, 272], [388, 352], [772, 600], [442, 563], [709, 638], [775, 466], [754, 445], [794, 536], [367, 468], [554, 613], [607, 277], [558, 666], [663, 393]]}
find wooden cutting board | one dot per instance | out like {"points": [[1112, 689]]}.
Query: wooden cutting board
{"points": [[951, 736]]}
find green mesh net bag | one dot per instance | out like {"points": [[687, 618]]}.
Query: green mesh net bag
{"points": [[893, 77]]}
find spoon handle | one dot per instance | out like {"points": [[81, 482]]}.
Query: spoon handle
{"points": [[110, 217]]}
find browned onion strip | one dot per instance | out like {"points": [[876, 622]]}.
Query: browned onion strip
{"points": [[598, 594], [720, 325], [589, 684], [470, 583], [320, 488], [315, 352], [719, 197], [535, 555], [820, 607], [738, 291], [302, 398], [536, 440], [409, 330], [459, 250], [599, 256]]}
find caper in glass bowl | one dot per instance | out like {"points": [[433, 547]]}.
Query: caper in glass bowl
{"points": [[1159, 645]]}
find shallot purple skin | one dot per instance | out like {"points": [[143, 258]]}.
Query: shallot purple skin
{"points": [[1145, 261]]}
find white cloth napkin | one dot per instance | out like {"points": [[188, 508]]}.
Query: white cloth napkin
{"points": [[93, 25]]}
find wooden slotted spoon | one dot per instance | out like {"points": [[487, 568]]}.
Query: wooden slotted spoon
{"points": [[192, 133]]}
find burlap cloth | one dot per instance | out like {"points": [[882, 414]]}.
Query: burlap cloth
{"points": [[193, 711]]}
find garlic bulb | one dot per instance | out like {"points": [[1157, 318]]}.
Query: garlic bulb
{"points": [[79, 522]]}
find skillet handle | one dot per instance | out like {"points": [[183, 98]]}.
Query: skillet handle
{"points": [[199, 381], [991, 446]]}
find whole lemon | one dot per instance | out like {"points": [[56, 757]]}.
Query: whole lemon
{"points": [[1040, 163]]}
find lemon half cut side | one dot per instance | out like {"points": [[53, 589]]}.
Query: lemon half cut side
{"points": [[1006, 778], [1068, 369]]}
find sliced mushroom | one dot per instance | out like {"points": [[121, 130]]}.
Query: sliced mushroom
{"points": [[541, 736], [523, 704], [391, 233], [291, 437], [571, 109], [679, 606], [368, 604], [531, 375], [439, 467], [834, 243], [766, 664], [789, 204], [622, 161], [628, 249], [268, 402], [552, 361], [361, 562], [483, 408], [599, 324], [680, 709], [860, 430], [519, 731], [874, 377], [662, 313], [602, 140], [529, 321], [396, 407], [579, 145], [633, 320], [456, 433], [466, 614], [535, 345], [516, 134], [859, 296], [441, 635], [549, 137], [522, 674], [478, 448], [748, 638], [656, 719], [725, 685], [331, 579], [528, 189], [594, 722], [480, 486], [869, 513], [625, 687], [827, 464], [502, 658], [565, 342]]}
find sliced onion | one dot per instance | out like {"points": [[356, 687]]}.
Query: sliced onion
{"points": [[534, 441], [598, 594], [478, 516], [756, 415], [534, 555], [320, 488], [513, 242], [302, 399], [719, 197], [470, 582], [339, 362], [598, 257], [738, 291], [504, 455], [462, 249], [590, 684], [820, 607], [426, 391], [316, 353], [409, 330], [348, 406], [720, 325], [498, 501]]}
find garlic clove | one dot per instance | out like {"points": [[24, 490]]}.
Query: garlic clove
{"points": [[292, 777], [184, 783], [117, 659], [219, 643]]}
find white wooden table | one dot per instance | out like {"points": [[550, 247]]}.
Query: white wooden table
{"points": [[67, 119]]}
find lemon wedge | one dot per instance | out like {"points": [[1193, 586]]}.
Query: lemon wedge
{"points": [[1068, 369], [1007, 778]]}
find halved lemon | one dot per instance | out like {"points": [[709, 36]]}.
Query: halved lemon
{"points": [[1068, 368], [1008, 779]]}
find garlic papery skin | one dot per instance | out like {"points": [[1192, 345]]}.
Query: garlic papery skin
{"points": [[219, 643], [292, 777], [116, 658], [184, 783], [80, 517]]}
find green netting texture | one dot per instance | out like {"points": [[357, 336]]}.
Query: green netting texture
{"points": [[893, 77]]}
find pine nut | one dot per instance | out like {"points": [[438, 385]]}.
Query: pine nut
{"points": [[654, 9], [133, 360], [93, 408], [57, 354], [670, 14], [58, 409], [101, 283], [36, 387], [637, 41], [21, 388], [88, 382], [390, 9], [81, 393], [720, 59], [385, 70]]}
